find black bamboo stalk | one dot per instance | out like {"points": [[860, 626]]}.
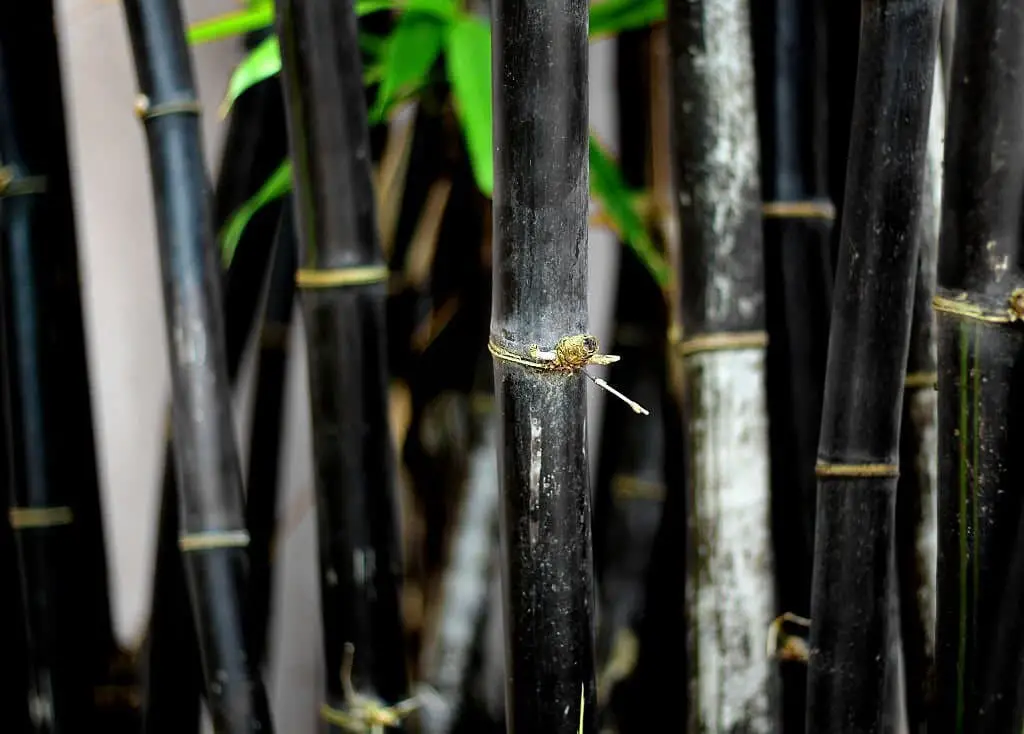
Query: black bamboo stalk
{"points": [[540, 298], [979, 643], [852, 661], [14, 664], [916, 489], [255, 144], [213, 537], [265, 434], [841, 55], [55, 503], [342, 290], [729, 557], [790, 58]]}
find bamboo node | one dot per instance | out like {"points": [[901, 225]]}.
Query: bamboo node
{"points": [[212, 539], [12, 185], [724, 341], [921, 379], [364, 714], [571, 354], [823, 469], [784, 646], [146, 110], [25, 518], [808, 209], [627, 487], [960, 306], [340, 277]]}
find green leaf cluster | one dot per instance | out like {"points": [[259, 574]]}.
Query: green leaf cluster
{"points": [[402, 65]]}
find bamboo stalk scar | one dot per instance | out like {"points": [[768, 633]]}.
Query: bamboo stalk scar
{"points": [[571, 354], [364, 714]]}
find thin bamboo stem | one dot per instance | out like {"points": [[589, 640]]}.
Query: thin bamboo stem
{"points": [[354, 473], [206, 458], [852, 652]]}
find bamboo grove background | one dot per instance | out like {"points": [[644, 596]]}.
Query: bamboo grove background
{"points": [[798, 509]]}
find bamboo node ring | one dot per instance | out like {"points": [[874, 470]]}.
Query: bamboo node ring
{"points": [[24, 518], [212, 539], [146, 110], [808, 209], [571, 354], [341, 277], [960, 306], [724, 341], [364, 714], [823, 469], [921, 379], [12, 185]]}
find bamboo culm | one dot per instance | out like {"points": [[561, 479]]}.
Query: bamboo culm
{"points": [[852, 662], [916, 507], [979, 645], [730, 595], [213, 536], [342, 291], [265, 434], [541, 171]]}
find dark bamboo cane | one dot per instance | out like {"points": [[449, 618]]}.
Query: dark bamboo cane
{"points": [[540, 298], [798, 214], [213, 537], [979, 638], [14, 664], [254, 145], [729, 576], [852, 662], [841, 54], [265, 434], [916, 489], [55, 503], [342, 291]]}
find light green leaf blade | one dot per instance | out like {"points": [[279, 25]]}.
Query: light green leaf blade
{"points": [[468, 53], [252, 18], [609, 188], [610, 17], [408, 56], [277, 185], [262, 63]]}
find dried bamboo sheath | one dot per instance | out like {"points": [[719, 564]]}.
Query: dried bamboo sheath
{"points": [[979, 637], [852, 659], [729, 561], [206, 459], [342, 292]]}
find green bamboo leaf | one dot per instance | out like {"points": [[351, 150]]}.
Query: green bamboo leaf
{"points": [[251, 18], [408, 56], [262, 63], [277, 185], [610, 17], [468, 53], [609, 188]]}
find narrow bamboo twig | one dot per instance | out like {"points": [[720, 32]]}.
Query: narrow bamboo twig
{"points": [[852, 661], [916, 522], [540, 305], [979, 646], [206, 459], [52, 476], [265, 435], [342, 290], [730, 594]]}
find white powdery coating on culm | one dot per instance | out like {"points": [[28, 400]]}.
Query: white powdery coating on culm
{"points": [[731, 597], [724, 68], [923, 412]]}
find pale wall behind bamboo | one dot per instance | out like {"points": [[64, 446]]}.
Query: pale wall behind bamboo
{"points": [[125, 331]]}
